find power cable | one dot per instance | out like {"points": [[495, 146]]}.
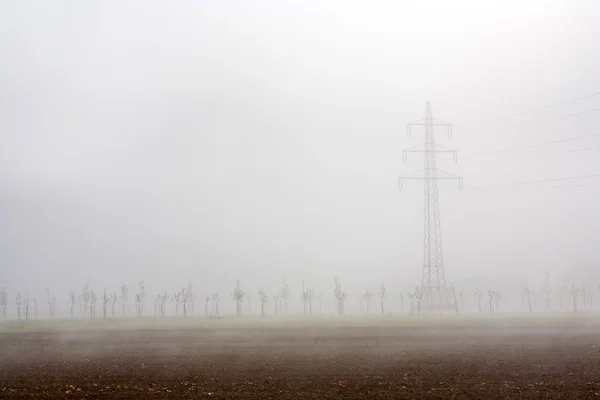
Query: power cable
{"points": [[587, 96], [540, 181], [532, 146]]}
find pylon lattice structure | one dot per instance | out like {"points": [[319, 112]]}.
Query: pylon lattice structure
{"points": [[434, 292]]}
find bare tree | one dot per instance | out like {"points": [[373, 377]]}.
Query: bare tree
{"points": [[72, 300], [206, 303], [140, 298], [85, 298], [3, 302], [368, 296], [249, 300], [574, 293], [26, 305], [497, 296], [105, 301], [263, 297], [526, 293], [238, 296], [35, 308], [93, 301], [306, 298], [191, 297], [382, 296], [415, 301], [124, 296], [547, 291], [479, 296], [462, 302], [163, 304], [50, 303], [340, 295], [276, 298], [177, 298], [215, 299], [285, 296], [412, 304], [184, 301], [113, 304], [491, 298], [18, 302]]}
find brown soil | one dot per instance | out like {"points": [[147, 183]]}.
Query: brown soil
{"points": [[326, 363]]}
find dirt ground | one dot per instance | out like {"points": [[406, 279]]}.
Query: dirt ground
{"points": [[329, 362]]}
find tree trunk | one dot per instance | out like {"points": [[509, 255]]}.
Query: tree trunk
{"points": [[574, 304], [310, 308], [262, 309], [529, 302], [382, 311]]}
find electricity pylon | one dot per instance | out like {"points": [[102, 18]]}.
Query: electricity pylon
{"points": [[434, 291]]}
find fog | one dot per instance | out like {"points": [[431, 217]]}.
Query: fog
{"points": [[214, 141]]}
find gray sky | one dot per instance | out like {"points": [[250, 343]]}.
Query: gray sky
{"points": [[211, 140]]}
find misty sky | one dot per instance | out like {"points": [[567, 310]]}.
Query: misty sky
{"points": [[215, 140]]}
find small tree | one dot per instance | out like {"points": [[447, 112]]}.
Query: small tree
{"points": [[574, 293], [18, 302], [72, 300], [249, 300], [163, 304], [368, 296], [124, 296], [276, 299], [547, 291], [3, 302], [306, 299], [113, 304], [85, 298], [262, 295], [26, 305], [177, 298], [382, 296], [478, 296], [415, 301], [527, 296], [206, 303], [285, 296], [339, 295], [105, 301], [191, 297], [215, 299], [491, 298], [50, 303], [184, 301], [93, 301], [140, 298], [238, 296], [35, 308]]}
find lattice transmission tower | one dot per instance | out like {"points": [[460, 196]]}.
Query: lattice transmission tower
{"points": [[434, 292]]}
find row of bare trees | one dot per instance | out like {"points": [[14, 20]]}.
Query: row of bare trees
{"points": [[92, 305]]}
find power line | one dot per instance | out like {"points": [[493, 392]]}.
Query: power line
{"points": [[541, 181], [533, 145], [585, 149], [543, 107], [565, 60]]}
